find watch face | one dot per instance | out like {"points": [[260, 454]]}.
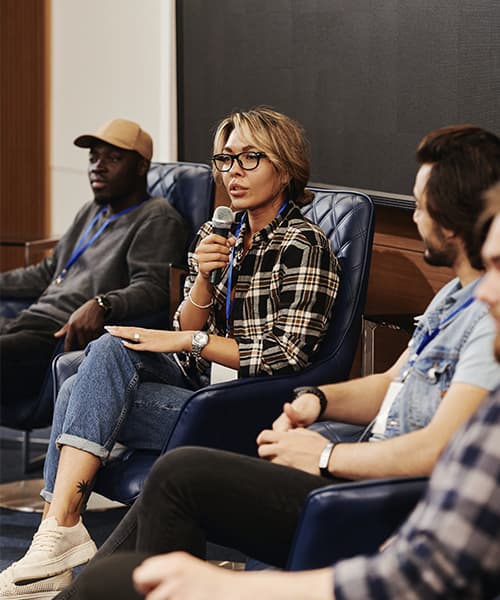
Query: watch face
{"points": [[201, 337], [324, 458]]}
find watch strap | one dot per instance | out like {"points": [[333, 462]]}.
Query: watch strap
{"points": [[310, 389], [198, 346], [324, 459], [104, 303]]}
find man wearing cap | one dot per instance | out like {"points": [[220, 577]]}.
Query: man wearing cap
{"points": [[110, 265]]}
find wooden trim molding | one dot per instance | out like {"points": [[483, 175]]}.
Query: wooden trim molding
{"points": [[24, 122]]}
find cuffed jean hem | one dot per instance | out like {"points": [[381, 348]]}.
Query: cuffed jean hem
{"points": [[46, 495], [66, 439]]}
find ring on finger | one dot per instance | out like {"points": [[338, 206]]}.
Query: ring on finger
{"points": [[137, 337]]}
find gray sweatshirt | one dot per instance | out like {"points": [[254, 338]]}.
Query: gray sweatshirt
{"points": [[128, 262]]}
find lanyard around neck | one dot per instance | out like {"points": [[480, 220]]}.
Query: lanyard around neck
{"points": [[84, 243], [430, 335], [230, 270]]}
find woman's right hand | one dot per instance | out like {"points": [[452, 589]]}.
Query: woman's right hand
{"points": [[213, 253]]}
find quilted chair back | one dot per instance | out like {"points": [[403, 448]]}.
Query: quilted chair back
{"points": [[188, 187], [347, 218]]}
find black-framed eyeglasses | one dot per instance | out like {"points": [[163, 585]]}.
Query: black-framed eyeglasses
{"points": [[247, 160]]}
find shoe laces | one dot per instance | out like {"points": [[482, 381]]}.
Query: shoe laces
{"points": [[45, 540]]}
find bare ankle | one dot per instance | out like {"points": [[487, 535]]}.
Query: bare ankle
{"points": [[63, 519]]}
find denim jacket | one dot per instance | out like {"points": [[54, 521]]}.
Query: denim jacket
{"points": [[428, 379]]}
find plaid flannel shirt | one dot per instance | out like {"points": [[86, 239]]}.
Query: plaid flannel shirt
{"points": [[449, 548], [284, 290]]}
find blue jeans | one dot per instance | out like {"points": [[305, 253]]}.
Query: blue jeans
{"points": [[117, 395]]}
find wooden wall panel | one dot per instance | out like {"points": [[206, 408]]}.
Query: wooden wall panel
{"points": [[401, 282], [24, 123]]}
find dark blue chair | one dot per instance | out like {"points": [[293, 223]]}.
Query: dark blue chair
{"points": [[189, 187], [230, 415], [351, 519]]}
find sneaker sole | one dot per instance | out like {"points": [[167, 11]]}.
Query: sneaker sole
{"points": [[71, 558], [33, 596]]}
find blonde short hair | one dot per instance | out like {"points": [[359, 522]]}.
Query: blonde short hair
{"points": [[280, 137]]}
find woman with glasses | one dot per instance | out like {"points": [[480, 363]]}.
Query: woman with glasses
{"points": [[266, 313]]}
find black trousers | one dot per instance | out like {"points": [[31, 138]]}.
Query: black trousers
{"points": [[109, 578], [194, 495], [26, 347]]}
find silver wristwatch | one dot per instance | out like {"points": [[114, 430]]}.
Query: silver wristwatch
{"points": [[198, 342]]}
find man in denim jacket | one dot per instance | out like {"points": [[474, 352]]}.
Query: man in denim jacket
{"points": [[448, 368]]}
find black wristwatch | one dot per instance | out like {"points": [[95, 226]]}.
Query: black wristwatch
{"points": [[104, 303], [312, 390]]}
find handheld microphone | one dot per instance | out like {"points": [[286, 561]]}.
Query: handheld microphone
{"points": [[221, 221]]}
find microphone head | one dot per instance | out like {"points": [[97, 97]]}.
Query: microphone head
{"points": [[223, 217]]}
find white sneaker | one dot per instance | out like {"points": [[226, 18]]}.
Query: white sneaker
{"points": [[54, 549], [44, 589]]}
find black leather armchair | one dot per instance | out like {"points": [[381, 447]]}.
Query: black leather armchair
{"points": [[189, 187], [350, 519], [230, 415]]}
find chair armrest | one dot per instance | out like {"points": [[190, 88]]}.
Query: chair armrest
{"points": [[63, 366], [30, 245], [344, 520], [337, 431], [11, 306], [230, 415], [38, 246]]}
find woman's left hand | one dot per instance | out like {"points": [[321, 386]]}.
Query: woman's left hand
{"points": [[152, 340]]}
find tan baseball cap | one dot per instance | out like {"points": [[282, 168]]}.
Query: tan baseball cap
{"points": [[121, 133]]}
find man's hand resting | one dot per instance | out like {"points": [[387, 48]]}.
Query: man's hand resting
{"points": [[83, 326], [298, 448], [302, 412]]}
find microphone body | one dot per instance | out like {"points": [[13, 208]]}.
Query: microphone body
{"points": [[221, 222]]}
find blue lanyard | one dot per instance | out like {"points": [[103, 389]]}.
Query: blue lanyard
{"points": [[83, 244], [429, 336], [230, 270]]}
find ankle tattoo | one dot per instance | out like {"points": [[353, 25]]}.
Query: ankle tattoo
{"points": [[83, 488]]}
